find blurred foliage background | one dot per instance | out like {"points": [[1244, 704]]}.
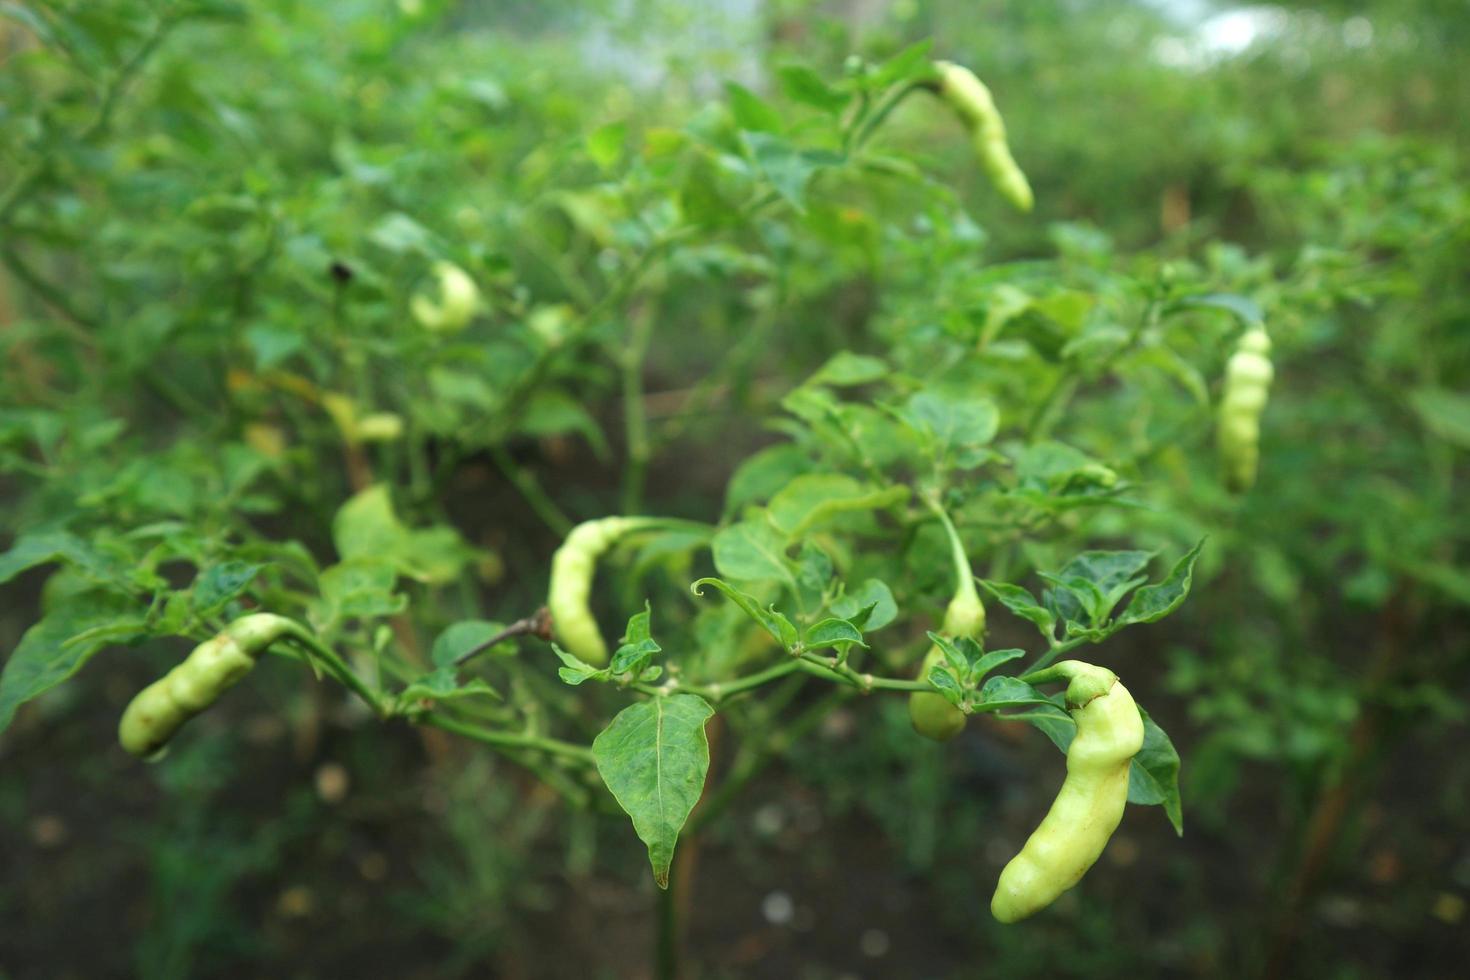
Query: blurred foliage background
{"points": [[1310, 155]]}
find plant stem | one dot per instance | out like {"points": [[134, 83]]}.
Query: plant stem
{"points": [[719, 692], [530, 488], [573, 792], [530, 380], [667, 965], [889, 102], [808, 663], [964, 587], [704, 391], [507, 740], [1066, 385], [1057, 649], [866, 683], [635, 420], [855, 120], [340, 670]]}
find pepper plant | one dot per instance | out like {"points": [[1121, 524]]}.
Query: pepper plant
{"points": [[256, 383]]}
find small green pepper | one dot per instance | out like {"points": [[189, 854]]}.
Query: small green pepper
{"points": [[930, 712], [572, 569], [1248, 377], [213, 667], [973, 103], [1089, 806]]}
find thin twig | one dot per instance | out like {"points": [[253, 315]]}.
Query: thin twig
{"points": [[635, 418], [50, 295], [507, 740], [538, 624]]}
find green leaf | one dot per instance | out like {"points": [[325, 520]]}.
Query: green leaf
{"points": [[750, 110], [959, 652], [654, 757], [1446, 414], [638, 646], [770, 620], [1093, 582], [671, 549], [1057, 468], [1153, 778], [443, 685], [1096, 344], [801, 84], [1078, 601], [1010, 692], [786, 167], [48, 547], [813, 572], [808, 501], [952, 424], [220, 583], [400, 234], [553, 412], [830, 633], [910, 63], [846, 368], [1067, 308], [433, 555], [360, 588], [871, 594], [59, 645], [366, 526], [752, 551], [1023, 604], [992, 660], [764, 473], [605, 144], [1242, 308], [633, 657], [1004, 302], [706, 198], [1106, 569], [272, 345], [640, 625], [575, 670], [811, 404], [1170, 363], [1052, 721], [944, 681], [1153, 602]]}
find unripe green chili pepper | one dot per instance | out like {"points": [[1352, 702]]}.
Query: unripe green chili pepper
{"points": [[1238, 432], [1090, 804], [572, 568], [459, 300], [972, 102], [930, 712], [213, 667], [380, 427]]}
